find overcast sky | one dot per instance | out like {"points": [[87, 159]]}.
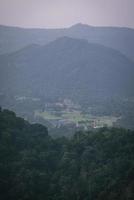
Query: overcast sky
{"points": [[64, 13]]}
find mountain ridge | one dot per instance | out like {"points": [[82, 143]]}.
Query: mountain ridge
{"points": [[118, 38], [79, 24], [68, 63]]}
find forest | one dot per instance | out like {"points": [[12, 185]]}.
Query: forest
{"points": [[91, 165]]}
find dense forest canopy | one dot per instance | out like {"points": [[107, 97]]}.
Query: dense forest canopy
{"points": [[93, 165]]}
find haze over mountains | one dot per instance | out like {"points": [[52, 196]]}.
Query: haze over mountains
{"points": [[82, 63], [66, 100], [68, 68], [121, 39]]}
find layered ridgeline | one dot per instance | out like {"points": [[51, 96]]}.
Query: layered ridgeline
{"points": [[122, 39], [92, 165], [67, 68]]}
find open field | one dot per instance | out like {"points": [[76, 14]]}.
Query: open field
{"points": [[46, 115], [76, 117]]}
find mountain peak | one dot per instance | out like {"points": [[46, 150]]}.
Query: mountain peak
{"points": [[80, 25]]}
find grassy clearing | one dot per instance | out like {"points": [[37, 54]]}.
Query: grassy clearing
{"points": [[76, 116], [46, 115], [73, 116]]}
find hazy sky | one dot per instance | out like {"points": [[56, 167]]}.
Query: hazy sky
{"points": [[64, 13]]}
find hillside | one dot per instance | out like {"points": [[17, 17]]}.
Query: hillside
{"points": [[92, 165], [122, 39], [97, 79], [67, 67]]}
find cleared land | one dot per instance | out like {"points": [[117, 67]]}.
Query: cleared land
{"points": [[76, 117]]}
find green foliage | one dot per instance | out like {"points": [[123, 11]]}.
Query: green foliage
{"points": [[90, 166]]}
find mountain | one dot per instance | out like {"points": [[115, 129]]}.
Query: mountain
{"points": [[121, 39], [67, 68]]}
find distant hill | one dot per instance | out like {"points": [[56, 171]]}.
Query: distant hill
{"points": [[122, 39], [67, 67]]}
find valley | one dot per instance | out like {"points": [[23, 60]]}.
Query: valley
{"points": [[70, 81], [60, 114], [67, 100]]}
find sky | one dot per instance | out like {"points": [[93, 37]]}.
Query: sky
{"points": [[65, 13]]}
